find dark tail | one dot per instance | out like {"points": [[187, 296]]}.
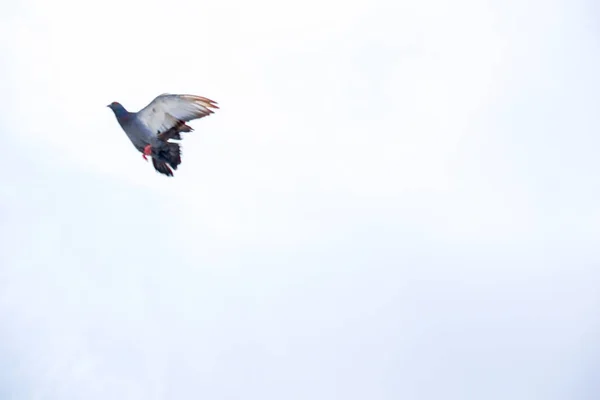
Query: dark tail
{"points": [[162, 167], [169, 154]]}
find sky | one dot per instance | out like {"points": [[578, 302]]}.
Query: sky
{"points": [[397, 200]]}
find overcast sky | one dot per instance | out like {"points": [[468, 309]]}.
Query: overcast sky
{"points": [[397, 200]]}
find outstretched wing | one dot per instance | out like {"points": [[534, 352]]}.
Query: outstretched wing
{"points": [[167, 114]]}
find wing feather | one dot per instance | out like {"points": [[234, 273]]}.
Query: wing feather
{"points": [[170, 112]]}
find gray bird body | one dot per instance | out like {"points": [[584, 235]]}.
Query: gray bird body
{"points": [[139, 134], [159, 122]]}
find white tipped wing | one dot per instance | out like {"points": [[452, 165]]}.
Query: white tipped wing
{"points": [[170, 110]]}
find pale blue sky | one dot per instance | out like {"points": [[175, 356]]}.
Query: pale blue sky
{"points": [[397, 200]]}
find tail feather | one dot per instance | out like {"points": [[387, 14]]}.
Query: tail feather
{"points": [[162, 167], [174, 154], [169, 154]]}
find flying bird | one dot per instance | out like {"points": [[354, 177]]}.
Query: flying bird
{"points": [[152, 128]]}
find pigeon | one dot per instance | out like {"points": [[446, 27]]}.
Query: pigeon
{"points": [[152, 128]]}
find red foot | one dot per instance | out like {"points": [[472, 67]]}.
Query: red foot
{"points": [[147, 152]]}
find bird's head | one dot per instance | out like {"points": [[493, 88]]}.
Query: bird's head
{"points": [[117, 108]]}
